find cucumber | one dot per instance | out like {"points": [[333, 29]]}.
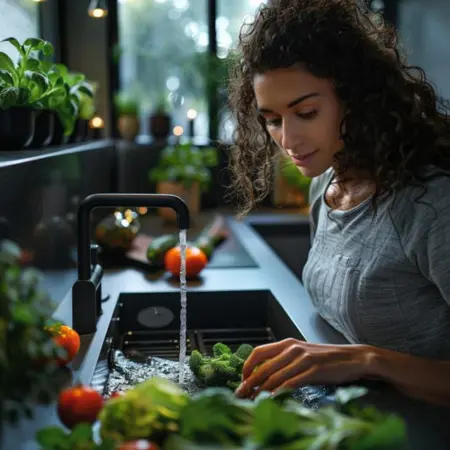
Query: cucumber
{"points": [[159, 247], [212, 236]]}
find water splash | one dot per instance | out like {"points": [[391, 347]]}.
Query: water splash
{"points": [[183, 299]]}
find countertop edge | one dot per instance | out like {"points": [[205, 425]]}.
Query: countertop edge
{"points": [[25, 156]]}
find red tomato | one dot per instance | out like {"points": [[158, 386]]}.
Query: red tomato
{"points": [[79, 404], [141, 444], [68, 339], [115, 395], [196, 261]]}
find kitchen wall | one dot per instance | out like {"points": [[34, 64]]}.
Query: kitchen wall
{"points": [[424, 28], [39, 200]]}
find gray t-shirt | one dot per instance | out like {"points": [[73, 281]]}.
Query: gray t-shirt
{"points": [[384, 282]]}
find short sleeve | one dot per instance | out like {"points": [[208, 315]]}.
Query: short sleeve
{"points": [[433, 251]]}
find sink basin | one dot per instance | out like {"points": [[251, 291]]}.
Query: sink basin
{"points": [[289, 239], [148, 324]]}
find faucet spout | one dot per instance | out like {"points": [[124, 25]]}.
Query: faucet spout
{"points": [[86, 292], [123, 200]]}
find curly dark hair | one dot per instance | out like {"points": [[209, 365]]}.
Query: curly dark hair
{"points": [[393, 125]]}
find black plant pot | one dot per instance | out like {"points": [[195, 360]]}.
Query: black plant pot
{"points": [[44, 127], [16, 128], [160, 126], [80, 132], [58, 132]]}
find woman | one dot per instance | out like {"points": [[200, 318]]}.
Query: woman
{"points": [[322, 81]]}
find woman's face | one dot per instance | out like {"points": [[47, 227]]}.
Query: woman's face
{"points": [[303, 116]]}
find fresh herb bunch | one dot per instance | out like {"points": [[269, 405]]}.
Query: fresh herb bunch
{"points": [[27, 350], [224, 368], [215, 419]]}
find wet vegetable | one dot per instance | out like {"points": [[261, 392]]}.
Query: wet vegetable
{"points": [[79, 404]]}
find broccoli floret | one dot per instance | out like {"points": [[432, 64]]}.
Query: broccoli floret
{"points": [[237, 362], [244, 351], [224, 368], [220, 349], [196, 361]]}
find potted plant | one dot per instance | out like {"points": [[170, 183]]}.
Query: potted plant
{"points": [[127, 106], [74, 107], [22, 87], [184, 170], [28, 353], [38, 99], [160, 123]]}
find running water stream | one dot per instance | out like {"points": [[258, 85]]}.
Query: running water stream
{"points": [[183, 313]]}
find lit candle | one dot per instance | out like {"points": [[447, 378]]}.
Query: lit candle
{"points": [[191, 114]]}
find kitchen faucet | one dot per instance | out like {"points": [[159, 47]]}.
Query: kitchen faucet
{"points": [[86, 291]]}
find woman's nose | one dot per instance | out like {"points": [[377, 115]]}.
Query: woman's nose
{"points": [[291, 134]]}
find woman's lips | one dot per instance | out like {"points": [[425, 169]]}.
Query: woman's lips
{"points": [[303, 160]]}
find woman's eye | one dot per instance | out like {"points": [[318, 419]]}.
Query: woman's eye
{"points": [[308, 115], [273, 122]]}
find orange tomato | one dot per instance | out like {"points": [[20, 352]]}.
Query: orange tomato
{"points": [[196, 261], [68, 339]]}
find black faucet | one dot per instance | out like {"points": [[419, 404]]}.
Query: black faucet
{"points": [[86, 292]]}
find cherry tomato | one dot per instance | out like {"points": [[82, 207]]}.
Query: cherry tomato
{"points": [[115, 395], [79, 404], [196, 261], [141, 444], [68, 339]]}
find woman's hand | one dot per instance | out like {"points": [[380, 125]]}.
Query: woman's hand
{"points": [[292, 363]]}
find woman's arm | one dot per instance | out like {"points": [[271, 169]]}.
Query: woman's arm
{"points": [[424, 379], [292, 363]]}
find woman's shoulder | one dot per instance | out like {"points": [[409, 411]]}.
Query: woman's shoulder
{"points": [[433, 192], [418, 209]]}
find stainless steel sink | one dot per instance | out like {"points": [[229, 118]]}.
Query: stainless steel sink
{"points": [[148, 324]]}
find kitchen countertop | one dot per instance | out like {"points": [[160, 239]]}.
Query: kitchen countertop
{"points": [[428, 426]]}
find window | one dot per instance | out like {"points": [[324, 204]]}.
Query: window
{"points": [[19, 19], [165, 55], [162, 44], [231, 14]]}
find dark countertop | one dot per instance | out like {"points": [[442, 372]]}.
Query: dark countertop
{"points": [[427, 425]]}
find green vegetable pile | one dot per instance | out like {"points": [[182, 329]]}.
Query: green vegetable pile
{"points": [[224, 368], [214, 419]]}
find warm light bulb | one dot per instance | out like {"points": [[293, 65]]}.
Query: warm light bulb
{"points": [[98, 9], [191, 114], [178, 130], [97, 13], [97, 122]]}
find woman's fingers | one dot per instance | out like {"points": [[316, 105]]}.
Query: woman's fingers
{"points": [[277, 379], [262, 353], [272, 366]]}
